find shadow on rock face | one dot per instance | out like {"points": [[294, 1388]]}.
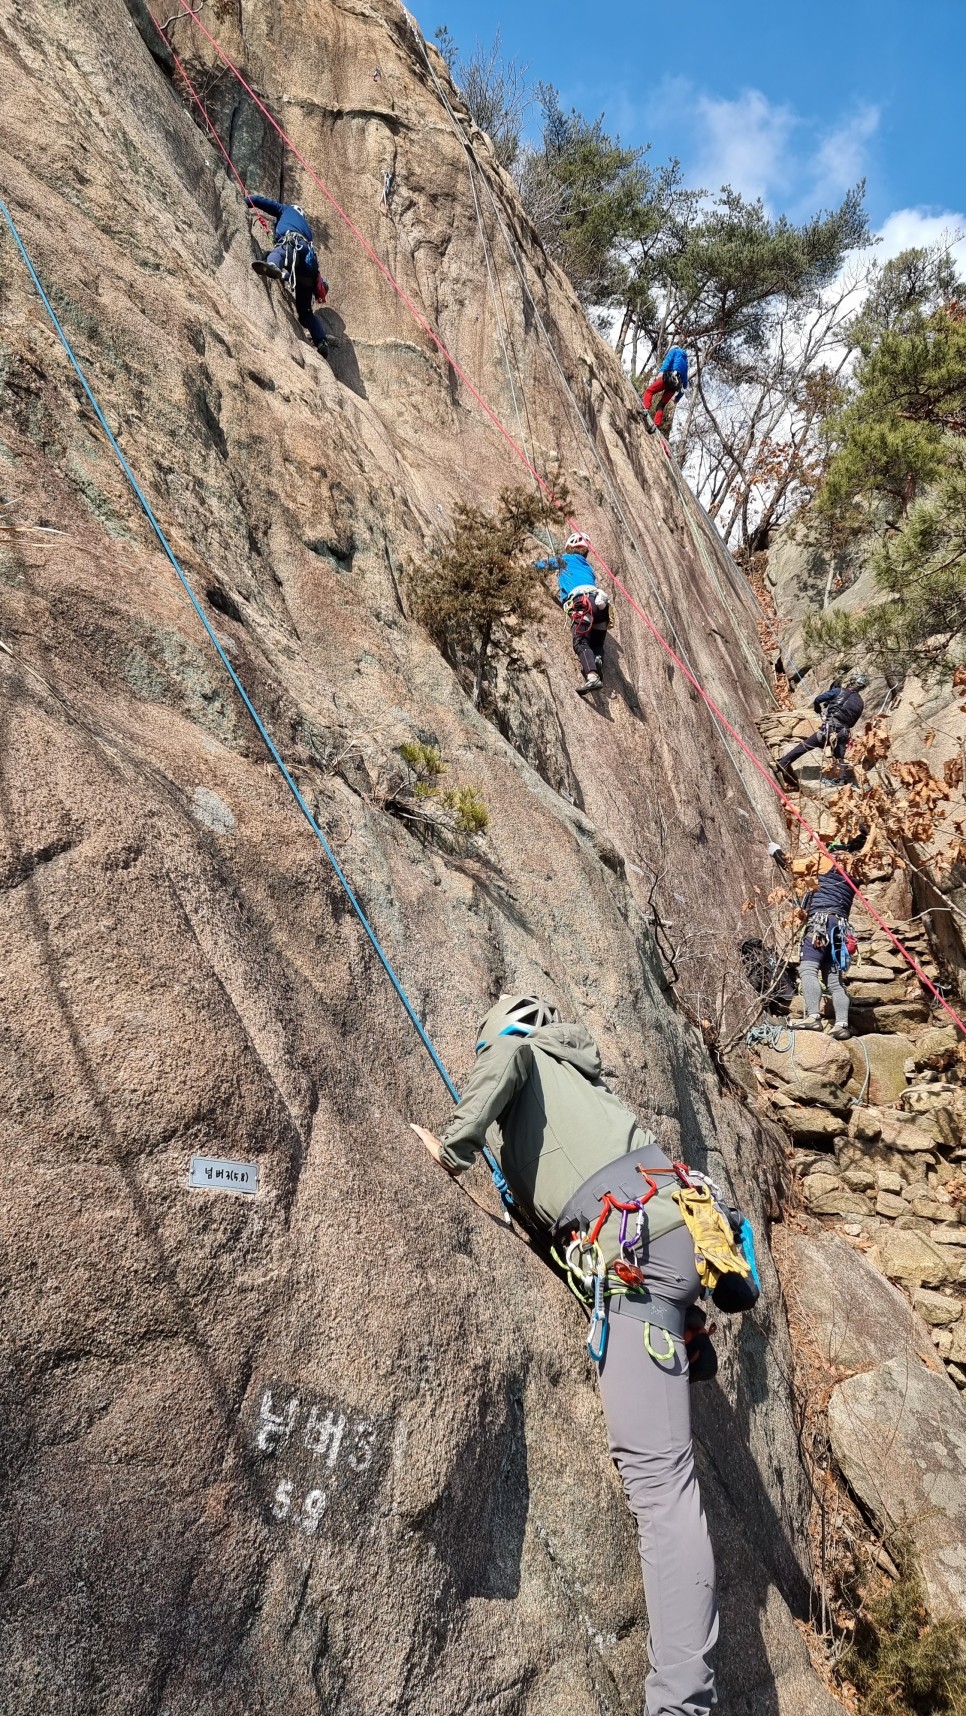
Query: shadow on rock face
{"points": [[342, 357], [754, 1551], [477, 1525]]}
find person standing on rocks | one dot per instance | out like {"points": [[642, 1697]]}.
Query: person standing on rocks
{"points": [[292, 259], [841, 706], [828, 945], [586, 607], [563, 1140], [671, 380]]}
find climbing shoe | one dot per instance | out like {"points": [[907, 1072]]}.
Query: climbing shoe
{"points": [[811, 1022], [841, 1033], [593, 682], [268, 268], [323, 350], [787, 778]]}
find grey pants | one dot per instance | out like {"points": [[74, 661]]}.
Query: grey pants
{"points": [[648, 1413], [813, 969]]}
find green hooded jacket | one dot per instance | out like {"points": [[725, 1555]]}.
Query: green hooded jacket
{"points": [[543, 1108]]}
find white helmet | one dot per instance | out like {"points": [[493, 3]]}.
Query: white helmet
{"points": [[577, 544], [299, 209], [516, 1016]]}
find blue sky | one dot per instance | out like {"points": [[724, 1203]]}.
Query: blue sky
{"points": [[789, 102]]}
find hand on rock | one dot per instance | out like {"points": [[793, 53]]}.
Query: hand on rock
{"points": [[432, 1144]]}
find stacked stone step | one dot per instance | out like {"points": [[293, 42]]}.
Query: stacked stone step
{"points": [[878, 1123]]}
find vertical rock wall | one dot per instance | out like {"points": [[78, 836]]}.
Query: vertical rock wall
{"points": [[335, 1446]]}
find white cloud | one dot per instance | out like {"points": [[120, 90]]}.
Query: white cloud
{"points": [[765, 149], [839, 161], [906, 229], [745, 143]]}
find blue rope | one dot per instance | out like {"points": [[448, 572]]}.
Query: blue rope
{"points": [[263, 733]]}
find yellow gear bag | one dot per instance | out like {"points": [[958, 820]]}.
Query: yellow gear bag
{"points": [[715, 1250]]}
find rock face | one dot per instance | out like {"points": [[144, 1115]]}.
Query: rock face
{"points": [[333, 1446], [899, 1435], [855, 1317]]}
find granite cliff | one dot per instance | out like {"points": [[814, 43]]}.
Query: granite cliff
{"points": [[334, 1447]]}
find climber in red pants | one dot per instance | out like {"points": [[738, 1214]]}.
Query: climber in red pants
{"points": [[672, 380]]}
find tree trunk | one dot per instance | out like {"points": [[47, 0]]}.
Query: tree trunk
{"points": [[485, 636]]}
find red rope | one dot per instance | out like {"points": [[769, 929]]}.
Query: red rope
{"points": [[548, 491]]}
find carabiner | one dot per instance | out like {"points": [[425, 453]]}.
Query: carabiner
{"points": [[597, 1338]]}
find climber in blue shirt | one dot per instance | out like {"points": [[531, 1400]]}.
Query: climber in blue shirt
{"points": [[672, 380], [292, 258], [586, 607]]}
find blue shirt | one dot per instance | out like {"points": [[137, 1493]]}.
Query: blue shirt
{"points": [[677, 360], [573, 573], [286, 218]]}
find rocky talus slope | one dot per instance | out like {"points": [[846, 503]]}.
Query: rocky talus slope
{"points": [[878, 1125], [334, 1447]]}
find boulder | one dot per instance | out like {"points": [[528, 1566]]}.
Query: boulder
{"points": [[911, 1258], [936, 1047], [838, 1203], [870, 971], [825, 1093], [881, 988], [885, 1066], [928, 1208], [855, 1317], [812, 1126], [887, 1204], [887, 1181], [898, 1433], [937, 1309], [807, 1052], [892, 1015], [816, 1185], [860, 1179]]}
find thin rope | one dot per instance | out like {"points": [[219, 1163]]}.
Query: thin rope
{"points": [[243, 694]]}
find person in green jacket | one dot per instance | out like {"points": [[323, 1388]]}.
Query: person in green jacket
{"points": [[562, 1139]]}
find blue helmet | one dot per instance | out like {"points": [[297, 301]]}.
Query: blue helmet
{"points": [[515, 1016]]}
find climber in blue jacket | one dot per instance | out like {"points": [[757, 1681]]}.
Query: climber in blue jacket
{"points": [[672, 380], [292, 258], [586, 607]]}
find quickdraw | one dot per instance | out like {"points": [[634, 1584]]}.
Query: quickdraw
{"points": [[592, 1279]]}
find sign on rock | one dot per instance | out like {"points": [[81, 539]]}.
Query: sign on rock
{"points": [[217, 1174]]}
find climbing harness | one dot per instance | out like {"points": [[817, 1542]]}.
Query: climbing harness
{"points": [[724, 1255], [499, 1179], [829, 930], [588, 613]]}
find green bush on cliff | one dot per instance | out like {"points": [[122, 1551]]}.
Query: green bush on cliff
{"points": [[459, 811], [901, 1662], [480, 577], [898, 469]]}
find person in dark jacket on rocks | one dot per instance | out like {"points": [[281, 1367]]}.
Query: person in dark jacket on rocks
{"points": [[840, 707], [827, 928], [292, 258], [536, 1094], [586, 607]]}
